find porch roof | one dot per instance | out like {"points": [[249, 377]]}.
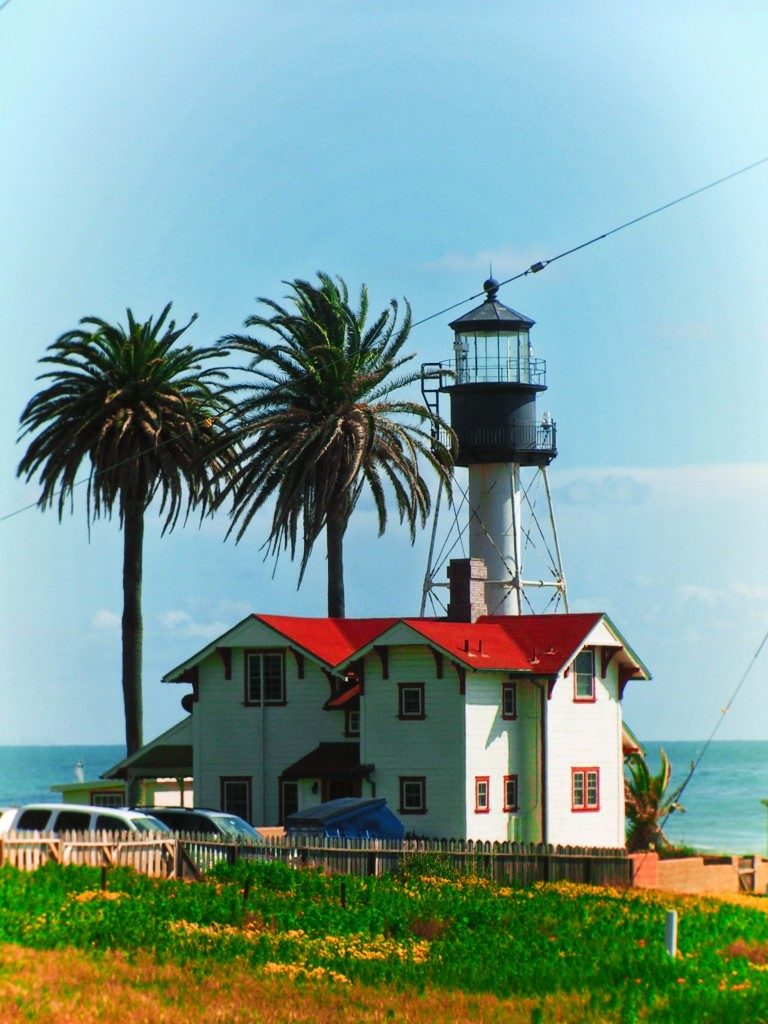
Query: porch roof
{"points": [[329, 761]]}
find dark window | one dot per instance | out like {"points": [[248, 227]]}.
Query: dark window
{"points": [[584, 676], [198, 823], [509, 700], [482, 794], [264, 678], [106, 823], [33, 821], [73, 821], [290, 798], [413, 794], [410, 700], [510, 793], [236, 796], [352, 723], [108, 798]]}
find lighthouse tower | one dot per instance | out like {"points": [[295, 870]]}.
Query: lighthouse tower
{"points": [[493, 382]]}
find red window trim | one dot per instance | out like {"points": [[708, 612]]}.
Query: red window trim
{"points": [[504, 687], [270, 703], [593, 698], [585, 808], [403, 779], [401, 688], [509, 807], [479, 779]]}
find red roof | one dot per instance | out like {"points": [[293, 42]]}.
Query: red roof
{"points": [[539, 644], [343, 698], [542, 644], [331, 640]]}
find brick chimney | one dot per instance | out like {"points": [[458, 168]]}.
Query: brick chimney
{"points": [[467, 578]]}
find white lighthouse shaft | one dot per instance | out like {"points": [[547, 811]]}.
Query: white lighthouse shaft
{"points": [[495, 499]]}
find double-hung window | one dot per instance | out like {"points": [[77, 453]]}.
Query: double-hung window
{"points": [[413, 794], [585, 789], [264, 678], [352, 722], [584, 676], [482, 794], [410, 700], [236, 795]]}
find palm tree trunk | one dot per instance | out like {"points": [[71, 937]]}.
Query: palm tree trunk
{"points": [[133, 542], [334, 537]]}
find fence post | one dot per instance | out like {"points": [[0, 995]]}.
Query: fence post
{"points": [[671, 934]]}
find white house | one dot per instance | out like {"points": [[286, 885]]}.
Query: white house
{"points": [[475, 726]]}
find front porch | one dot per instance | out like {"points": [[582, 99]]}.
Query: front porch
{"points": [[330, 771]]}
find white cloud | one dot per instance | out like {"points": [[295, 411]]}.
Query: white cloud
{"points": [[181, 623], [505, 259], [696, 486], [105, 619], [691, 330], [735, 593], [693, 592], [620, 488]]}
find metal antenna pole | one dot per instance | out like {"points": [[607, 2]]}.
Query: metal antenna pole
{"points": [[514, 484], [428, 577], [559, 565]]}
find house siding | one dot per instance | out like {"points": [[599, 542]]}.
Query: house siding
{"points": [[462, 737], [497, 747], [585, 734], [231, 739], [432, 747]]}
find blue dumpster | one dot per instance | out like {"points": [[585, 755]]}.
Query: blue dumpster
{"points": [[351, 817]]}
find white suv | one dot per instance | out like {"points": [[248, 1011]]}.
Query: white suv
{"points": [[55, 818]]}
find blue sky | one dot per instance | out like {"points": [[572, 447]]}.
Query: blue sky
{"points": [[203, 153]]}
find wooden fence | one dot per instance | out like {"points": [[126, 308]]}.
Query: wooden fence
{"points": [[189, 856]]}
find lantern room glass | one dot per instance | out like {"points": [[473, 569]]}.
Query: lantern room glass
{"points": [[490, 357]]}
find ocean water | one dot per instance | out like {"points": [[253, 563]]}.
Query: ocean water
{"points": [[27, 773], [723, 810]]}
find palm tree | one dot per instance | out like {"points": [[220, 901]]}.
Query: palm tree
{"points": [[319, 422], [138, 409], [647, 802]]}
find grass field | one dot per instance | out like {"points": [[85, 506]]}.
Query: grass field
{"points": [[264, 942]]}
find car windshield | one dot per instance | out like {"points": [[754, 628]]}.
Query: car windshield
{"points": [[236, 828], [149, 825]]}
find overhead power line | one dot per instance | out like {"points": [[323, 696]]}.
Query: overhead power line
{"points": [[535, 268], [540, 265], [723, 712]]}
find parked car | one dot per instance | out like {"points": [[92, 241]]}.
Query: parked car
{"points": [[6, 814], [241, 839], [350, 817], [203, 821], [57, 817]]}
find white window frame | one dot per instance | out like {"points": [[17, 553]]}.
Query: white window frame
{"points": [[259, 699]]}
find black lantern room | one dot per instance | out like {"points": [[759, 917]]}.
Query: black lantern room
{"points": [[495, 383]]}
